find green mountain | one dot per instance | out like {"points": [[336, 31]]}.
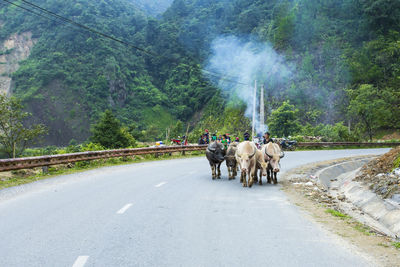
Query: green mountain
{"points": [[71, 76], [338, 54]]}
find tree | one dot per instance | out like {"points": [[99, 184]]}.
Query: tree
{"points": [[14, 136], [284, 121], [109, 132], [369, 106]]}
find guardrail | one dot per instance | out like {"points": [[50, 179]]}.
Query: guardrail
{"points": [[45, 161], [328, 144]]}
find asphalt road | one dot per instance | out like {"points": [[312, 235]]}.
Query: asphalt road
{"points": [[165, 213]]}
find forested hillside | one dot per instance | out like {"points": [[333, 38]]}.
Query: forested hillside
{"points": [[344, 54], [342, 58], [71, 76]]}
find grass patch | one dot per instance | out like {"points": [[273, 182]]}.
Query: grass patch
{"points": [[356, 225], [396, 245], [363, 229], [337, 213], [20, 177]]}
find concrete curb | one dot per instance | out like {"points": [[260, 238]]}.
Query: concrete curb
{"points": [[377, 213]]}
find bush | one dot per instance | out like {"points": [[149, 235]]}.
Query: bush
{"points": [[109, 133]]}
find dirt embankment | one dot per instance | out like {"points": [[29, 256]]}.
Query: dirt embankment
{"points": [[382, 175]]}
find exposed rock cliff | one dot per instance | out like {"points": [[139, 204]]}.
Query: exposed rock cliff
{"points": [[13, 50]]}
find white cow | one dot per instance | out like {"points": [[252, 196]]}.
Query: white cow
{"points": [[245, 156]]}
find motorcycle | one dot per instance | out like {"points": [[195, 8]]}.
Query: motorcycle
{"points": [[288, 144], [180, 141], [177, 142]]}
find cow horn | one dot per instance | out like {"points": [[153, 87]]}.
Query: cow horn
{"points": [[255, 150], [282, 154], [266, 153]]}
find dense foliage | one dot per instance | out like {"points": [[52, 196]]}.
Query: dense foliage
{"points": [[152, 7], [345, 56]]}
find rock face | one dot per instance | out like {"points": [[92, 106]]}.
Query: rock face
{"points": [[13, 50]]}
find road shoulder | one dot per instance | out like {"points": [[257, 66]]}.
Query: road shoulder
{"points": [[323, 210]]}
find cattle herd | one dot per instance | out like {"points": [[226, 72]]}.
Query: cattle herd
{"points": [[254, 163]]}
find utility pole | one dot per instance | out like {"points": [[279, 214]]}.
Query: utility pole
{"points": [[262, 119], [254, 109]]}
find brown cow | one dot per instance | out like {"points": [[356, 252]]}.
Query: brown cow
{"points": [[230, 160], [274, 154], [261, 164], [245, 156]]}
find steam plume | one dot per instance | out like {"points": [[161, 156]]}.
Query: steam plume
{"points": [[244, 62]]}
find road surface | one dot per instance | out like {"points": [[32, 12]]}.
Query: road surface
{"points": [[165, 213]]}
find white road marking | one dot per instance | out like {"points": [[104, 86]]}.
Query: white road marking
{"points": [[124, 208], [80, 261], [160, 184]]}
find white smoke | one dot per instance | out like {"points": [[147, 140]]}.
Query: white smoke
{"points": [[244, 62]]}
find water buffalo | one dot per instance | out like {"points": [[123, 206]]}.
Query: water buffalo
{"points": [[215, 154], [231, 162], [274, 154], [245, 156], [262, 165]]}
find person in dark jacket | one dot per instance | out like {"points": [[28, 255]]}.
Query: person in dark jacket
{"points": [[207, 136], [246, 136], [201, 140], [267, 138]]}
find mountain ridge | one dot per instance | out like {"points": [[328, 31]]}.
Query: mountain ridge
{"points": [[71, 76]]}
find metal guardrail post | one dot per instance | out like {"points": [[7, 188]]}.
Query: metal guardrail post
{"points": [[45, 169]]}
